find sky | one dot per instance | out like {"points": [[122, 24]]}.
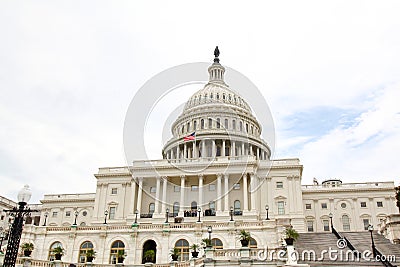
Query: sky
{"points": [[329, 71]]}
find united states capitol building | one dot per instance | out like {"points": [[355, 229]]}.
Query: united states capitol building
{"points": [[216, 177]]}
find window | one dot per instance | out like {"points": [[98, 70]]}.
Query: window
{"points": [[188, 126], [52, 256], [281, 207], [240, 126], [236, 208], [211, 187], [324, 205], [195, 125], [234, 124], [310, 226], [343, 205], [363, 204], [366, 223], [236, 186], [67, 214], [218, 151], [217, 243], [226, 123], [83, 249], [195, 187], [326, 225], [379, 204], [218, 123], [346, 223], [209, 123], [55, 213], [176, 209], [279, 184], [153, 189], [308, 206], [227, 151], [114, 191], [252, 243], [177, 188], [202, 123], [111, 214], [183, 246], [115, 248], [151, 208], [193, 205], [211, 205], [247, 127]]}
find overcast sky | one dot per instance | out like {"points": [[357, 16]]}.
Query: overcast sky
{"points": [[330, 72]]}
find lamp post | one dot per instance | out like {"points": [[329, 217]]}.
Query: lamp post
{"points": [[46, 214], [76, 216], [267, 209], [199, 212], [231, 213], [209, 230], [136, 213], [16, 228], [105, 216], [371, 229], [331, 217], [166, 215]]}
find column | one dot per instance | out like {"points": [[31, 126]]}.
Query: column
{"points": [[233, 148], [242, 149], [182, 200], [219, 176], [258, 153], [200, 202], [226, 199], [185, 154], [253, 186], [164, 195], [245, 192], [157, 200], [195, 150], [251, 150], [213, 149], [223, 148], [139, 197], [203, 148], [177, 152]]}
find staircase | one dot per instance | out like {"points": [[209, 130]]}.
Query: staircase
{"points": [[318, 242]]}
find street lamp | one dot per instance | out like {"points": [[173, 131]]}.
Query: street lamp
{"points": [[46, 214], [371, 229], [76, 216], [136, 213], [331, 217], [209, 230], [16, 228], [166, 215], [231, 213], [105, 216], [267, 209], [199, 211]]}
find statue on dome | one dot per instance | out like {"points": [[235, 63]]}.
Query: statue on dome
{"points": [[216, 54]]}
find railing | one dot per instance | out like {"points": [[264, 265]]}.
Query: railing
{"points": [[351, 185], [382, 259]]}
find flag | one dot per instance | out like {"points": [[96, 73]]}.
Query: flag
{"points": [[190, 137]]}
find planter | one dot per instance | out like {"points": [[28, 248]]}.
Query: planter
{"points": [[195, 254], [58, 257], [89, 259], [244, 242], [289, 241], [174, 257], [27, 253]]}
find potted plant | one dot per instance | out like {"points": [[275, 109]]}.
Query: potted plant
{"points": [[195, 253], [121, 256], [291, 236], [27, 249], [174, 254], [244, 238], [58, 252], [149, 255], [206, 242], [90, 255]]}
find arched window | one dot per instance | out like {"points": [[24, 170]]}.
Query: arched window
{"points": [[202, 123], [151, 208], [217, 243], [218, 123], [346, 223], [226, 123], [118, 247], [252, 243], [240, 126], [87, 245], [53, 246], [251, 127], [193, 205], [209, 123], [237, 208], [176, 209], [217, 96], [188, 127], [194, 125], [234, 125], [247, 127], [183, 246]]}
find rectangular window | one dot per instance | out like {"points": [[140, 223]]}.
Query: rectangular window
{"points": [[177, 188], [366, 223], [310, 226], [67, 214], [324, 205], [363, 204], [279, 184], [379, 204], [236, 186], [153, 189], [111, 214], [308, 206], [211, 187], [281, 207], [326, 225], [195, 187], [55, 214], [114, 191]]}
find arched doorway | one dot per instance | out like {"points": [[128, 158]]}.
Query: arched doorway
{"points": [[149, 245]]}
